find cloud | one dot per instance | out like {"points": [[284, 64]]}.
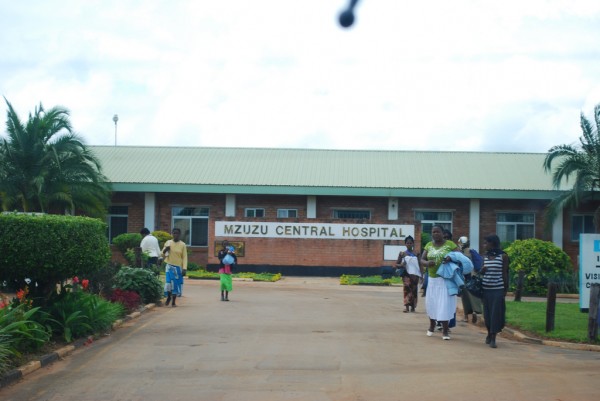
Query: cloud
{"points": [[462, 75]]}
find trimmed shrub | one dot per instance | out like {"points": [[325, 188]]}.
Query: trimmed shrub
{"points": [[50, 248], [127, 241], [162, 237], [542, 262], [142, 281]]}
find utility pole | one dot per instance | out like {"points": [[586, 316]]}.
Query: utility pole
{"points": [[115, 119]]}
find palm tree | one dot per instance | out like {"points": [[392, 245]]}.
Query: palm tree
{"points": [[582, 162], [46, 167]]}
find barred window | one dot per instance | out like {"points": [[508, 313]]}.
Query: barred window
{"points": [[352, 214]]}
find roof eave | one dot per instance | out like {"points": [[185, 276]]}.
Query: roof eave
{"points": [[336, 191]]}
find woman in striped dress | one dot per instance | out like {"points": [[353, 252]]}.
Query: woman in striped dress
{"points": [[495, 284]]}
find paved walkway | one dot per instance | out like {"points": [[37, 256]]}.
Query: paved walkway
{"points": [[305, 339]]}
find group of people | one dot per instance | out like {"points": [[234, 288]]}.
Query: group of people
{"points": [[440, 302], [174, 254]]}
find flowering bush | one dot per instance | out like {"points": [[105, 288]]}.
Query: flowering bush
{"points": [[21, 299], [130, 299]]}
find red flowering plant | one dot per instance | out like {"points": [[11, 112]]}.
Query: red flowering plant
{"points": [[76, 284], [21, 299], [130, 299], [4, 302]]}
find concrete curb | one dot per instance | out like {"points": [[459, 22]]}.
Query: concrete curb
{"points": [[45, 360]]}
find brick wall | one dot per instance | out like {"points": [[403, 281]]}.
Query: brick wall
{"points": [[322, 252]]}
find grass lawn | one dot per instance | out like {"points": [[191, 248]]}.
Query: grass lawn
{"points": [[530, 317]]}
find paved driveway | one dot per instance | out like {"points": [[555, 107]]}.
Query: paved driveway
{"points": [[305, 339]]}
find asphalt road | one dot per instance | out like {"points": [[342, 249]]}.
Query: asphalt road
{"points": [[305, 339]]}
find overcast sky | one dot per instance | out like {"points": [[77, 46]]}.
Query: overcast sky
{"points": [[471, 75]]}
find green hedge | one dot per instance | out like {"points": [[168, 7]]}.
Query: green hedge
{"points": [[50, 248], [541, 262]]}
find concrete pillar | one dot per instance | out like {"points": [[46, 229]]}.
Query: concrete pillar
{"points": [[392, 208], [229, 205], [311, 207], [474, 222], [150, 211], [557, 230]]}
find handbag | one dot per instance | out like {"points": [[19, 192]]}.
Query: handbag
{"points": [[401, 271], [475, 286]]}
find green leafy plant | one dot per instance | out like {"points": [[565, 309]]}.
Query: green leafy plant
{"points": [[67, 317], [101, 313], [6, 352], [162, 237], [133, 260], [127, 241], [21, 330], [541, 262], [142, 281]]}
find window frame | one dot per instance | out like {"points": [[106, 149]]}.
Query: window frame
{"points": [[516, 224], [583, 216], [287, 212], [446, 224], [255, 209], [203, 217], [109, 222]]}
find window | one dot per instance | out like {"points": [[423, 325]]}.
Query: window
{"points": [[193, 223], [117, 221], [352, 214], [581, 224], [283, 213], [514, 226], [430, 218], [254, 212]]}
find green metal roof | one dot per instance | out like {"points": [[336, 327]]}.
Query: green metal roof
{"points": [[326, 172]]}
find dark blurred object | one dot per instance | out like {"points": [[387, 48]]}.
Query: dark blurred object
{"points": [[346, 17]]}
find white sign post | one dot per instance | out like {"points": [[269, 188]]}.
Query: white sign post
{"points": [[589, 266]]}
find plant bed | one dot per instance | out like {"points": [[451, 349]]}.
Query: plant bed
{"points": [[348, 279], [206, 275]]}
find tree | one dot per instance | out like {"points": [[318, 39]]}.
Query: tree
{"points": [[46, 167], [580, 161]]}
